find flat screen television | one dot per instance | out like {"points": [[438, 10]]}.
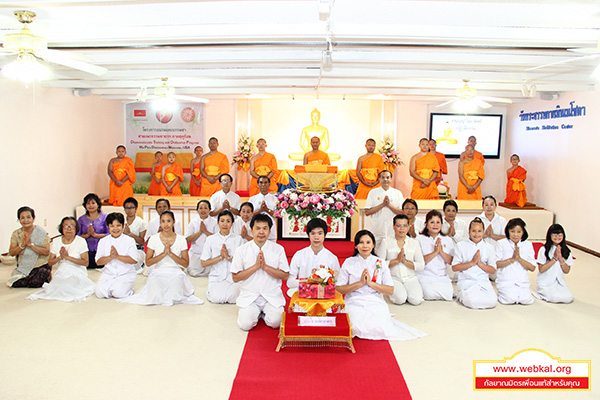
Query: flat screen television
{"points": [[452, 131]]}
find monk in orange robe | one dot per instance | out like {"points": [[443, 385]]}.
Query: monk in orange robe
{"points": [[515, 188], [477, 155], [196, 177], [424, 169], [368, 167], [263, 164], [212, 165], [470, 174], [441, 160], [172, 176], [156, 175], [121, 172], [316, 156]]}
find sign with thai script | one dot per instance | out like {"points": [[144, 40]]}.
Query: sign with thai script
{"points": [[552, 120], [305, 320]]}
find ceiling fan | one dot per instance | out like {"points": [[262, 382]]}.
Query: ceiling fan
{"points": [[29, 48], [592, 52], [466, 96], [164, 92]]}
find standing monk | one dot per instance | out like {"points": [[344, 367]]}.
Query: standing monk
{"points": [[263, 164], [515, 188], [172, 176], [424, 169], [316, 156], [473, 142], [122, 175], [470, 175], [156, 175], [196, 178], [212, 165], [368, 168], [441, 160]]}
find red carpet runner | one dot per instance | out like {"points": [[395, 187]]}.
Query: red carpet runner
{"points": [[316, 373]]}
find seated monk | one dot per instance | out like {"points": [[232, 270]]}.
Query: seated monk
{"points": [[470, 175], [212, 165], [263, 164], [424, 169], [121, 172], [196, 177], [156, 175], [316, 156], [515, 188], [368, 168], [172, 176]]}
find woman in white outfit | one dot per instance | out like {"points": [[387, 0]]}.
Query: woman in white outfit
{"points": [[69, 253], [515, 258], [167, 254], [554, 261], [404, 256], [475, 260], [364, 279]]}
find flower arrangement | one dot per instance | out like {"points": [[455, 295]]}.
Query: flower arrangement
{"points": [[389, 154], [243, 153], [323, 276], [339, 204]]}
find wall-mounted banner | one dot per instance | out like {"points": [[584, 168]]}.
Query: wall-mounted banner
{"points": [[532, 369], [148, 130], [550, 120]]}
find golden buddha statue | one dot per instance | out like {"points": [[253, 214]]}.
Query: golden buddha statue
{"points": [[447, 136], [314, 130]]}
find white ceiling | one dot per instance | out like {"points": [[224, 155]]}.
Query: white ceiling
{"points": [[407, 50]]}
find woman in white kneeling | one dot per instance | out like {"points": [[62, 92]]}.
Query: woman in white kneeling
{"points": [[364, 279], [166, 256], [404, 256]]}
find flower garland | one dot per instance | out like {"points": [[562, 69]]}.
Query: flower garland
{"points": [[389, 154], [243, 153]]}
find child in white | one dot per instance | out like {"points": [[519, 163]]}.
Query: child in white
{"points": [[70, 252], [404, 256], [241, 225], [259, 266], [364, 279], [554, 261], [167, 284], [216, 255], [438, 251], [313, 256], [198, 230], [118, 254], [135, 228], [475, 260], [515, 257]]}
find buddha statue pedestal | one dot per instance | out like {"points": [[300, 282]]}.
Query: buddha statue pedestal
{"points": [[316, 178]]}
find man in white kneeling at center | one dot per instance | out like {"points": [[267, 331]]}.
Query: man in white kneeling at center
{"points": [[259, 266]]}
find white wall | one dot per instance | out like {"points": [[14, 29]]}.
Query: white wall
{"points": [[562, 165], [55, 150]]}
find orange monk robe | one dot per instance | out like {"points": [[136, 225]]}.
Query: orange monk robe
{"points": [[443, 166], [172, 172], [118, 194], [154, 189], [318, 158], [478, 156], [195, 189], [370, 169], [472, 171], [263, 166], [515, 188], [214, 165], [425, 167]]}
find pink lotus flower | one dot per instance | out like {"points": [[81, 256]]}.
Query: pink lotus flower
{"points": [[284, 205], [304, 204], [315, 198], [339, 205]]}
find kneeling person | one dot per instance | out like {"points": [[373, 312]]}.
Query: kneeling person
{"points": [[216, 255], [259, 266]]}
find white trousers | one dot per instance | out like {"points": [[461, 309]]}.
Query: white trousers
{"points": [[195, 268], [555, 293], [513, 294], [248, 316], [478, 296], [409, 290], [117, 286], [436, 287], [222, 292]]}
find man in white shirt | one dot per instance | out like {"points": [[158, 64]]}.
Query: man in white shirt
{"points": [[313, 256], [225, 199], [161, 205], [259, 266], [382, 205], [264, 202]]}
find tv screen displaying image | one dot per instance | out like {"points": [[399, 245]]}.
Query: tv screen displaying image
{"points": [[452, 131]]}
